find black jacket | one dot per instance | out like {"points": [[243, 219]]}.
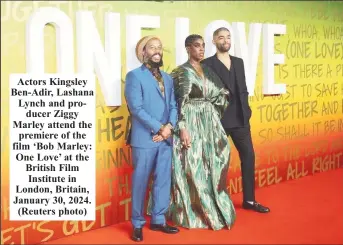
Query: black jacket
{"points": [[219, 68]]}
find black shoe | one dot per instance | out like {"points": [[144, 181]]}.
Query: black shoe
{"points": [[256, 207], [164, 228], [137, 235]]}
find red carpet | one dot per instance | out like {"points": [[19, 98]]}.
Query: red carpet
{"points": [[308, 210]]}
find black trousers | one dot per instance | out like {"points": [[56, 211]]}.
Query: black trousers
{"points": [[241, 138]]}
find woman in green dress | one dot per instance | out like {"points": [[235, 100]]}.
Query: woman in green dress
{"points": [[201, 149]]}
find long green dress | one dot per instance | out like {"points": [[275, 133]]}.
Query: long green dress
{"points": [[199, 196]]}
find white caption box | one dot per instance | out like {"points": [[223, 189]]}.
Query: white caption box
{"points": [[52, 147]]}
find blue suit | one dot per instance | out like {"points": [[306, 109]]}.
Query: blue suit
{"points": [[150, 110]]}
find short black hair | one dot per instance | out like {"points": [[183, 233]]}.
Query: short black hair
{"points": [[191, 38], [215, 33]]}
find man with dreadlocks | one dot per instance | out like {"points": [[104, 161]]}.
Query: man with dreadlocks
{"points": [[150, 97]]}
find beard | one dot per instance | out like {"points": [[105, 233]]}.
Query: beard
{"points": [[154, 64], [223, 49]]}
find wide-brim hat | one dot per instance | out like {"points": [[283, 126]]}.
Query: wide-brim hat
{"points": [[141, 44]]}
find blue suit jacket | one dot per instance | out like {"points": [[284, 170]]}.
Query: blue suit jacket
{"points": [[147, 106]]}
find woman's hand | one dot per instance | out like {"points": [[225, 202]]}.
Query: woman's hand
{"points": [[185, 138]]}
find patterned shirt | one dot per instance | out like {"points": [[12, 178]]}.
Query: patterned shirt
{"points": [[158, 76]]}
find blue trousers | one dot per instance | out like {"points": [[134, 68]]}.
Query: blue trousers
{"points": [[146, 161]]}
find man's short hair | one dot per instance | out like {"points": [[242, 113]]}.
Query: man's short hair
{"points": [[216, 32]]}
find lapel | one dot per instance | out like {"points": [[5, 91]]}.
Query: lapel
{"points": [[235, 66], [220, 70], [166, 88], [148, 76]]}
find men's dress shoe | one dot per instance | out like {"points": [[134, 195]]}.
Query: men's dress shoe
{"points": [[137, 235], [164, 228], [256, 207]]}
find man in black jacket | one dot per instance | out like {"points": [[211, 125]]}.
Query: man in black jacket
{"points": [[236, 118]]}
